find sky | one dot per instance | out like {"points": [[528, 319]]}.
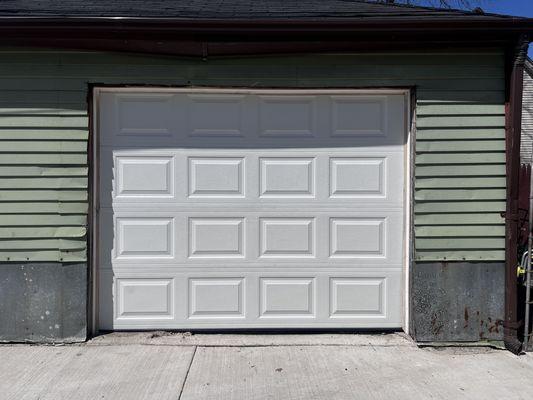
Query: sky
{"points": [[523, 8]]}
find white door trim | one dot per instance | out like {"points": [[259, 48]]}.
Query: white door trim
{"points": [[94, 194]]}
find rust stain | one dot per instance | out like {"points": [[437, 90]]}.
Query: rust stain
{"points": [[496, 326]]}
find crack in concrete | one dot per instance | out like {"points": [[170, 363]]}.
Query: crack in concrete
{"points": [[187, 373]]}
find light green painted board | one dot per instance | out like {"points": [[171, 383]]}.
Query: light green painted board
{"points": [[460, 121], [42, 244], [50, 121], [43, 183], [460, 161], [459, 194], [423, 171], [39, 159], [441, 109], [42, 171], [459, 219], [8, 109], [35, 146], [459, 206], [43, 207], [460, 158], [459, 243], [43, 195], [40, 134], [44, 255], [43, 232], [460, 146], [454, 231], [460, 133], [42, 220], [463, 182]]}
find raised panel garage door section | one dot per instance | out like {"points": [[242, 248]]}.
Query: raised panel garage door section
{"points": [[250, 208]]}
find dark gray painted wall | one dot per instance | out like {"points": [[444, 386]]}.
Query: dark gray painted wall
{"points": [[451, 302], [454, 302], [43, 302]]}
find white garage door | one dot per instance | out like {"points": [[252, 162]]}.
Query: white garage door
{"points": [[250, 208]]}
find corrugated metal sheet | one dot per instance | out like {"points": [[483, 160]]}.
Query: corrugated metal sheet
{"points": [[526, 146], [460, 160]]}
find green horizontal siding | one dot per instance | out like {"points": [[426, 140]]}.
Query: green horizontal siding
{"points": [[444, 231], [33, 232], [478, 195], [459, 162]]}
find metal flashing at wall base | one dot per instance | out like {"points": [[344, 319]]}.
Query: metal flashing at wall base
{"points": [[457, 302], [43, 302]]}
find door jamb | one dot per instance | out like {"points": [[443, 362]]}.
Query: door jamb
{"points": [[94, 181]]}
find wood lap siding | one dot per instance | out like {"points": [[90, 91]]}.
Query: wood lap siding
{"points": [[460, 162], [460, 172]]}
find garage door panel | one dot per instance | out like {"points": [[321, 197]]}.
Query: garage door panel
{"points": [[144, 237], [296, 237], [145, 298], [216, 237], [258, 119], [287, 237], [218, 177], [287, 298], [249, 177], [216, 298], [227, 113], [288, 116], [287, 177], [244, 209]]}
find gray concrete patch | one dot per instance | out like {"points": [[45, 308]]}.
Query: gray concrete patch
{"points": [[158, 365], [357, 373], [91, 372]]}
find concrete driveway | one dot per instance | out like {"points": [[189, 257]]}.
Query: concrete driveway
{"points": [[321, 366]]}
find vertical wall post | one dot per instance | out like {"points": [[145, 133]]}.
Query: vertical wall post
{"points": [[513, 118]]}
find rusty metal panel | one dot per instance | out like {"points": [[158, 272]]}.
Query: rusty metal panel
{"points": [[454, 302]]}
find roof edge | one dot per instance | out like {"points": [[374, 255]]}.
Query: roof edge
{"points": [[429, 8], [353, 22]]}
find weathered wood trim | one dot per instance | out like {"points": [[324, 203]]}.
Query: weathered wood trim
{"points": [[515, 76]]}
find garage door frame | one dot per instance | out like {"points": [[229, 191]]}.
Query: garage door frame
{"points": [[94, 175]]}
